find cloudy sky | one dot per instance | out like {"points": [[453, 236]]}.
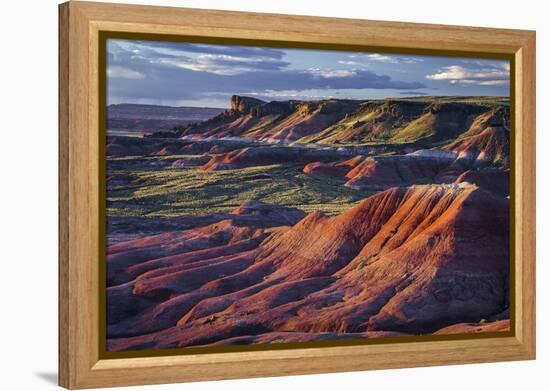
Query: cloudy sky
{"points": [[185, 74]]}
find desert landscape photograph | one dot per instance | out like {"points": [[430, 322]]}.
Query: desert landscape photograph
{"points": [[262, 195]]}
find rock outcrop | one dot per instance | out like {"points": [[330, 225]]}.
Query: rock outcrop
{"points": [[244, 104]]}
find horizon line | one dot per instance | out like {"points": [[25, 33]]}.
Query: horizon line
{"points": [[407, 97]]}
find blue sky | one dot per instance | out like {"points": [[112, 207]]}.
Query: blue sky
{"points": [[185, 74]]}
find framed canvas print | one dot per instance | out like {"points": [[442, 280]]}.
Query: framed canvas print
{"points": [[248, 195]]}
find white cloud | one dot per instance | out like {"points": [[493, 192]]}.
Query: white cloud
{"points": [[206, 63], [495, 83], [464, 81], [457, 74], [287, 94], [332, 73], [393, 59], [411, 60], [381, 58], [223, 64], [355, 63], [123, 73]]}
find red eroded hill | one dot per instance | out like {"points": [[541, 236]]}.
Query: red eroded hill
{"points": [[407, 260], [319, 168], [491, 145], [423, 166], [266, 155], [386, 171]]}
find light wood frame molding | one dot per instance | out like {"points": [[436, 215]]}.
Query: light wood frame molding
{"points": [[80, 23]]}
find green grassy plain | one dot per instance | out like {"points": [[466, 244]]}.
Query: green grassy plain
{"points": [[172, 192]]}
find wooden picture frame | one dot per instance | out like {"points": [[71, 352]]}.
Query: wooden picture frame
{"points": [[80, 154]]}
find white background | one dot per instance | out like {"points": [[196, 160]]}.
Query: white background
{"points": [[28, 196]]}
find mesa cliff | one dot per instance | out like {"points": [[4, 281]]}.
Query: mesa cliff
{"points": [[340, 121]]}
